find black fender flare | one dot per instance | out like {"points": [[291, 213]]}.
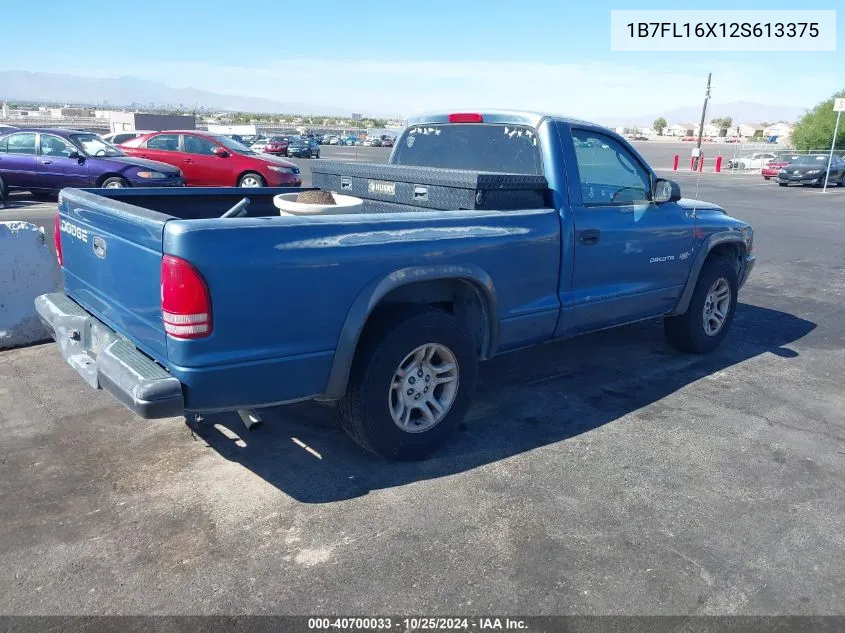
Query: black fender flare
{"points": [[369, 298], [711, 242]]}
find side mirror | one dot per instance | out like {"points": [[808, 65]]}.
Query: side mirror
{"points": [[219, 151], [665, 191], [74, 154]]}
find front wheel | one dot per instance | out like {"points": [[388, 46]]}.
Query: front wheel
{"points": [[251, 180], [711, 310], [115, 182], [411, 383]]}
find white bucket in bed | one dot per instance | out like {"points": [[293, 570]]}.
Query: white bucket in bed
{"points": [[286, 204]]}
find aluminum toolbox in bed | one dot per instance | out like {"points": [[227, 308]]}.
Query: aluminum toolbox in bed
{"points": [[434, 188]]}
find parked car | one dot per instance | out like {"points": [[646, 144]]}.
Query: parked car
{"points": [[390, 314], [387, 142], [304, 148], [334, 140], [812, 170], [44, 161], [214, 160], [277, 145], [754, 160], [351, 140], [772, 168], [259, 146], [116, 138]]}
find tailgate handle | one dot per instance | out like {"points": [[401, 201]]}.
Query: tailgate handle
{"points": [[345, 183], [420, 193]]}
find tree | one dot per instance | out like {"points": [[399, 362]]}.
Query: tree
{"points": [[723, 123], [659, 125], [814, 130]]}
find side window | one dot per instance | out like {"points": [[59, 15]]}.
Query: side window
{"points": [[4, 145], [608, 172], [21, 143], [50, 145], [165, 142], [198, 145]]}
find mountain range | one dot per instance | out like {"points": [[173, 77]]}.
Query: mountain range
{"points": [[19, 85], [739, 111]]}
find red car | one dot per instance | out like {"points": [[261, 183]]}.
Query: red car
{"points": [[214, 160], [277, 145], [770, 170]]}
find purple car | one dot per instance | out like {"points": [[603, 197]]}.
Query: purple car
{"points": [[45, 161]]}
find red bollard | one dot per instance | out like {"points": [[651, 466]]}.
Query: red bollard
{"points": [[719, 163], [675, 163], [701, 163], [692, 163]]}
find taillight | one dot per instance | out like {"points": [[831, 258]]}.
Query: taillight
{"points": [[466, 117], [57, 238], [185, 302]]}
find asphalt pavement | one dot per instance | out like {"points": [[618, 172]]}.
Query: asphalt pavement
{"points": [[603, 475]]}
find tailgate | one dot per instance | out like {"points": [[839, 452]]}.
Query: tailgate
{"points": [[111, 264]]}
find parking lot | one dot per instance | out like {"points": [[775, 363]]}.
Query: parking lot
{"points": [[602, 475]]}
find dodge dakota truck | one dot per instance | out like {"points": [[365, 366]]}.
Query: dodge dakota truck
{"points": [[485, 233]]}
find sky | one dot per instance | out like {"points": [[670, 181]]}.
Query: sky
{"points": [[408, 57]]}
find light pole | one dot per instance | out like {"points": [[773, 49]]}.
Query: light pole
{"points": [[839, 106], [697, 156]]}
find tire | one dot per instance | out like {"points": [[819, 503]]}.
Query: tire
{"points": [[368, 408], [767, 177], [318, 155], [688, 332], [783, 184], [252, 180], [115, 182], [841, 182], [741, 166], [4, 194]]}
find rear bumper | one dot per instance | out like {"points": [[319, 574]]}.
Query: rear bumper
{"points": [[109, 362]]}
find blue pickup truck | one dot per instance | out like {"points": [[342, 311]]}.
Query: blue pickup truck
{"points": [[386, 311]]}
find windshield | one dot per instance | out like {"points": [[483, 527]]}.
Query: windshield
{"points": [[93, 145], [511, 149], [299, 143], [232, 144], [810, 160]]}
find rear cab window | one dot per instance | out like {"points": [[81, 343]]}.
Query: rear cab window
{"points": [[492, 147]]}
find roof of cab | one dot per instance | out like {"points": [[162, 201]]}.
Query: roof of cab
{"points": [[515, 117]]}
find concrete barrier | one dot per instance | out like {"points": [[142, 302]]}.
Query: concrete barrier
{"points": [[27, 269]]}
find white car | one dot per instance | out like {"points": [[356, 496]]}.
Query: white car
{"points": [[116, 138], [334, 141], [751, 161], [259, 146]]}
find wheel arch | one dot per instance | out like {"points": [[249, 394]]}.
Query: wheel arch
{"points": [[250, 171], [422, 285], [111, 174], [721, 244]]}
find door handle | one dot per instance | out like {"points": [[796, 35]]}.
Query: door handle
{"points": [[46, 162], [187, 160], [589, 237]]}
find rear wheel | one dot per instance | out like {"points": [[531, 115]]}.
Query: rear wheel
{"points": [[411, 383], [251, 179], [115, 182], [711, 310], [767, 177], [841, 182], [783, 184]]}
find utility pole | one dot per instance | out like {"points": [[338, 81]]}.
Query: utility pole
{"points": [[701, 125]]}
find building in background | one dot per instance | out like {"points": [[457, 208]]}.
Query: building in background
{"points": [[127, 121]]}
